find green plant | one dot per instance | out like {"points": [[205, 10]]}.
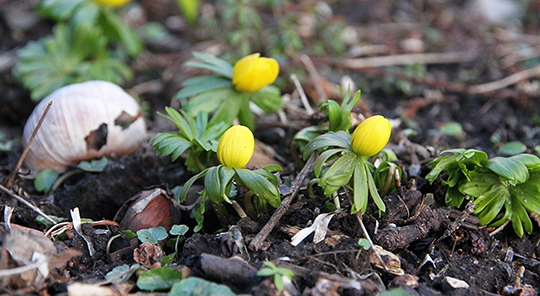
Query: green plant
{"points": [[339, 119], [349, 166], [98, 15], [387, 173], [196, 136], [73, 54], [276, 272], [234, 150], [503, 189], [230, 90]]}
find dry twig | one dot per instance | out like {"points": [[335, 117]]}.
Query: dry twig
{"points": [[507, 81], [21, 159], [265, 231], [409, 59], [36, 209]]}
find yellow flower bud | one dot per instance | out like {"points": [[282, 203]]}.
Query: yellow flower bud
{"points": [[235, 147], [371, 136], [113, 3], [251, 73]]}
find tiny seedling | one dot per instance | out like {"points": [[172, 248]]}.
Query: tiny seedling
{"points": [[276, 272]]}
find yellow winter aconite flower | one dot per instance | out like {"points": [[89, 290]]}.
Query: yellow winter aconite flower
{"points": [[251, 73], [235, 147], [113, 3], [371, 136]]}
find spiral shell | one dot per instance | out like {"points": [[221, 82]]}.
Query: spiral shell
{"points": [[86, 121]]}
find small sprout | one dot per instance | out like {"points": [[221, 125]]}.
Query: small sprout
{"points": [[230, 91], [152, 235], [364, 245], [277, 272], [350, 167]]}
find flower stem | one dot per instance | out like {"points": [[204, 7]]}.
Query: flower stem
{"points": [[197, 161]]}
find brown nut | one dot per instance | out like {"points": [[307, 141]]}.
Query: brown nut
{"points": [[148, 209]]}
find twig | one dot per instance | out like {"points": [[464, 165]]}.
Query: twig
{"points": [[509, 80], [317, 81], [302, 94], [6, 191], [21, 159], [409, 59], [500, 228], [265, 231]]}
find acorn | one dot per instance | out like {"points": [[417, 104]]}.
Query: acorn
{"points": [[149, 209]]}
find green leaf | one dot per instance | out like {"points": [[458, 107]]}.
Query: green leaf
{"points": [[268, 98], [360, 188], [245, 116], [225, 175], [116, 29], [512, 148], [260, 186], [489, 204], [212, 63], [306, 135], [278, 281], [453, 197], [94, 166], [451, 129], [212, 185], [266, 272], [227, 111], [152, 235], [509, 169], [197, 85], [58, 9], [321, 160], [479, 183], [158, 279], [332, 139], [339, 173], [45, 180], [373, 188], [179, 230], [189, 183], [47, 223], [167, 144], [208, 101], [194, 286], [272, 168], [128, 234], [532, 162], [364, 244], [124, 271]]}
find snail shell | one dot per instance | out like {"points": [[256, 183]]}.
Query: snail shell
{"points": [[86, 121]]}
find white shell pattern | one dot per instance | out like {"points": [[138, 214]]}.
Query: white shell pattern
{"points": [[77, 110]]}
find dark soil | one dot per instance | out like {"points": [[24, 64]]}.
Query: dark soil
{"points": [[430, 239]]}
